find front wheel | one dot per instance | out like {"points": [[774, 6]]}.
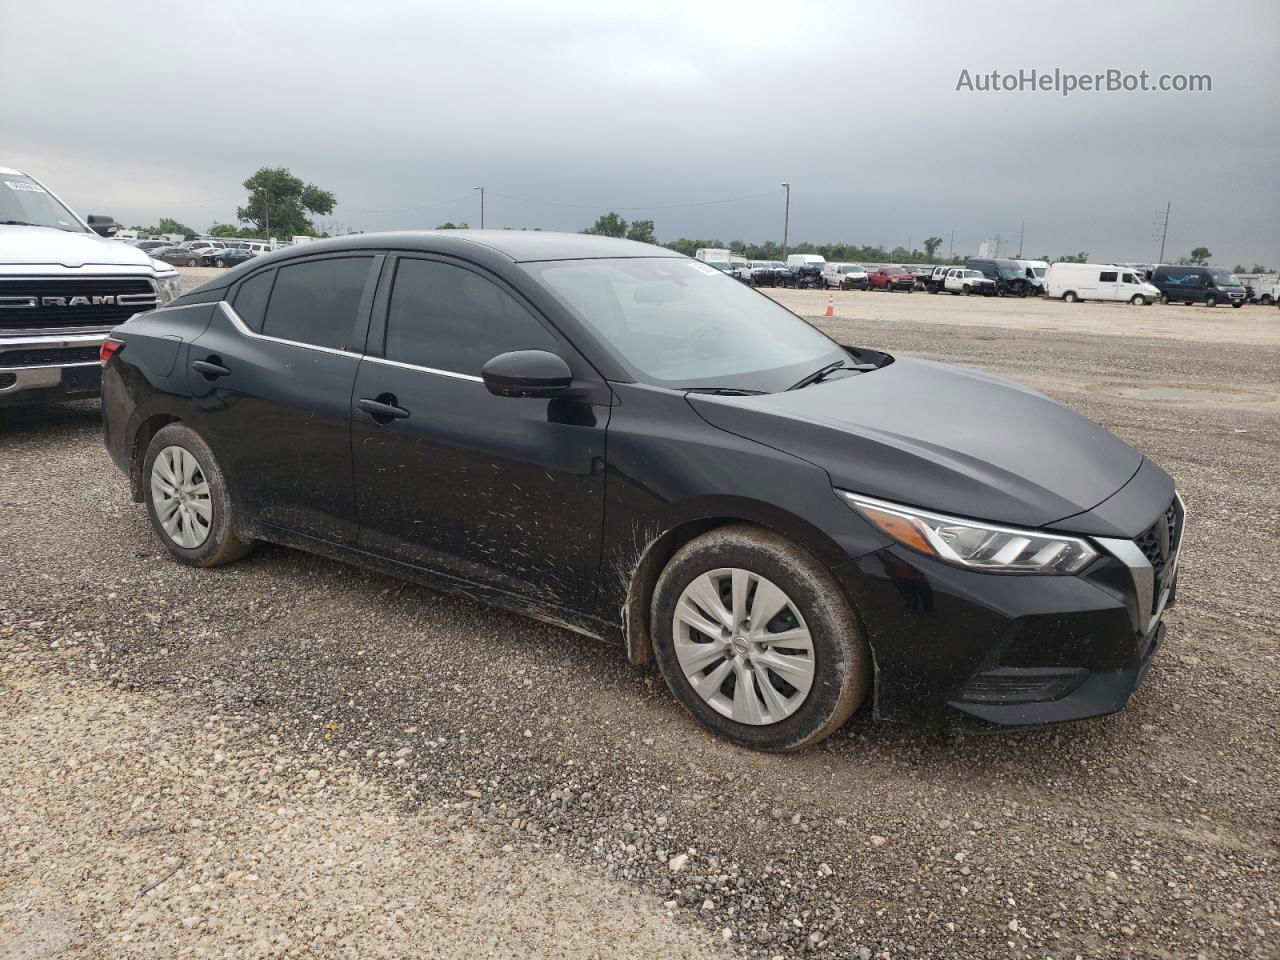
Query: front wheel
{"points": [[187, 499], [1070, 297], [1210, 301], [1237, 304], [1138, 300], [191, 262], [755, 638]]}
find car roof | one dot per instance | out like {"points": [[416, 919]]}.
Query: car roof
{"points": [[519, 246]]}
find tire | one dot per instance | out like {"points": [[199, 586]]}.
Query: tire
{"points": [[200, 541], [1265, 300], [837, 663], [1237, 304], [222, 263], [191, 262], [1210, 301], [1163, 300], [965, 290], [1069, 297], [1138, 300]]}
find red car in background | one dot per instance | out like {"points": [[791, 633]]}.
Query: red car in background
{"points": [[891, 278]]}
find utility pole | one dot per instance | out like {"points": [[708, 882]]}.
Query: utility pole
{"points": [[481, 189], [786, 221], [951, 247], [1164, 229], [1021, 229], [266, 212]]}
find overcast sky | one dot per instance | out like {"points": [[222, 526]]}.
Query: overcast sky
{"points": [[143, 110]]}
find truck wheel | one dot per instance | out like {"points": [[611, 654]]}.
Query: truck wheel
{"points": [[965, 290], [1237, 304], [1210, 301], [1163, 300], [1139, 300], [187, 499], [1070, 297], [756, 639]]}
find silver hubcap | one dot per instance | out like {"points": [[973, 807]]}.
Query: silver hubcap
{"points": [[743, 646], [180, 493]]}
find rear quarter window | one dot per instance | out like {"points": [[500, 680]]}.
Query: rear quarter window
{"points": [[251, 299], [317, 301]]}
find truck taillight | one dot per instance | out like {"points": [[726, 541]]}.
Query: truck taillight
{"points": [[108, 350]]}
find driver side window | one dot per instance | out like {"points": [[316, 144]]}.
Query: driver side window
{"points": [[448, 318]]}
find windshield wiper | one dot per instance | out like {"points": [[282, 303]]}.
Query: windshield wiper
{"points": [[818, 375], [20, 223], [724, 391]]}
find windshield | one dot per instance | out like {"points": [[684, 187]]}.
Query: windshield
{"points": [[1224, 277], [679, 323], [1039, 271], [1010, 273], [851, 268], [893, 270], [24, 201]]}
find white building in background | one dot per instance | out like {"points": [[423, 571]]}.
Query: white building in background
{"points": [[990, 249]]}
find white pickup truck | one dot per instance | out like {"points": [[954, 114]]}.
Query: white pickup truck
{"points": [[63, 285]]}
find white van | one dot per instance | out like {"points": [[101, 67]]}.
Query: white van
{"points": [[1034, 271], [845, 276], [1098, 281], [717, 255]]}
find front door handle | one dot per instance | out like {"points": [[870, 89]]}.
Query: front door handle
{"points": [[210, 368], [383, 408]]}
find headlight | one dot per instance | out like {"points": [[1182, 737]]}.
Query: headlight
{"points": [[168, 287], [977, 546]]}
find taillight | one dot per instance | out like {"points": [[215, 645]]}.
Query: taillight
{"points": [[108, 350]]}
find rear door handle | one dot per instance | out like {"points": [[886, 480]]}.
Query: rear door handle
{"points": [[383, 408], [209, 368]]}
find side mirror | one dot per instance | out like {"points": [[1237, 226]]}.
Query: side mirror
{"points": [[526, 373], [102, 226]]}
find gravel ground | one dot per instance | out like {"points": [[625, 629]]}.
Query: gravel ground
{"points": [[1152, 833]]}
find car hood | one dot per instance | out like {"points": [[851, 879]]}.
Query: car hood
{"points": [[941, 437], [48, 246]]}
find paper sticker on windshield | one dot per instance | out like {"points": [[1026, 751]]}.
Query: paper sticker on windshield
{"points": [[703, 268], [24, 185]]}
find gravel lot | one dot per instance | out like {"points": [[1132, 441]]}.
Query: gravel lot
{"points": [[1152, 833]]}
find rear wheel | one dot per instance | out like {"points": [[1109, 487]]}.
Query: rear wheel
{"points": [[755, 638], [187, 499]]}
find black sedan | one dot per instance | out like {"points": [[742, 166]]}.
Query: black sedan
{"points": [[226, 257], [630, 444]]}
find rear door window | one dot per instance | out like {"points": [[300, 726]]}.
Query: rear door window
{"points": [[317, 301], [446, 317], [251, 299]]}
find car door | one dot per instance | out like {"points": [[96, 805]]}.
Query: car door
{"points": [[271, 380], [1108, 285], [501, 491]]}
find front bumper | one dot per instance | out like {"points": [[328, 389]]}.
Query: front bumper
{"points": [[49, 368], [1006, 650]]}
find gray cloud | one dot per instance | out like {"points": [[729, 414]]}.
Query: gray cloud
{"points": [[145, 111]]}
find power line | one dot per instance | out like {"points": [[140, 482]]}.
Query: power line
{"points": [[420, 206]]}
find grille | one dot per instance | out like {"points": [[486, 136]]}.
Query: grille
{"points": [[36, 358], [1159, 543], [17, 297], [8, 380]]}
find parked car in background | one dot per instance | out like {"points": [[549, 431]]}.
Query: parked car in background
{"points": [[63, 285], [891, 278], [921, 273], [845, 276], [1010, 278], [180, 255], [1034, 271], [1098, 281], [767, 273], [148, 246], [935, 281], [800, 525], [962, 281], [1208, 285], [231, 257]]}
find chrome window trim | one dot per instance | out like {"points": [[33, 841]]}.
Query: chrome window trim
{"points": [[244, 330], [413, 366], [1144, 575]]}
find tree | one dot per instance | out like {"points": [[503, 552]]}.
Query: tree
{"points": [[453, 226], [225, 230], [279, 203], [1080, 257], [641, 231], [608, 225], [1259, 268], [1201, 255], [931, 246], [166, 225]]}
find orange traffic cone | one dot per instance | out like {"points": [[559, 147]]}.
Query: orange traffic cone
{"points": [[831, 305]]}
